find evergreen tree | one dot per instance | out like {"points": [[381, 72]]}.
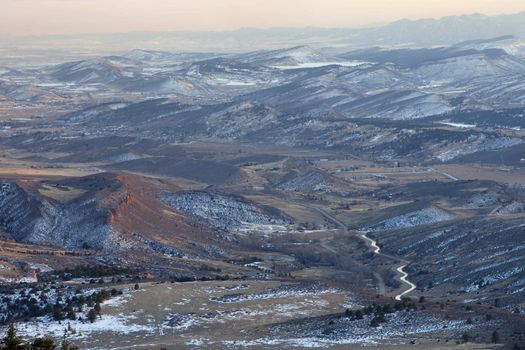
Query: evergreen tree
{"points": [[495, 337], [92, 315], [359, 315], [11, 341], [71, 313], [44, 344], [465, 337], [378, 319], [375, 322], [65, 345], [97, 308], [58, 313]]}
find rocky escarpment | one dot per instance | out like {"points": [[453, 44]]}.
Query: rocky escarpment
{"points": [[40, 220], [122, 214]]}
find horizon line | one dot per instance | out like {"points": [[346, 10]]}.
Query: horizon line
{"points": [[239, 29]]}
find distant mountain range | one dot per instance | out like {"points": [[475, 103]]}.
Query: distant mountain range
{"points": [[404, 33], [393, 83], [302, 96]]}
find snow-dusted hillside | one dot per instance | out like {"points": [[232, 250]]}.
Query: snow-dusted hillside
{"points": [[44, 221], [104, 70], [223, 212], [295, 56], [421, 217]]}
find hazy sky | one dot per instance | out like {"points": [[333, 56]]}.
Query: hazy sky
{"points": [[41, 17]]}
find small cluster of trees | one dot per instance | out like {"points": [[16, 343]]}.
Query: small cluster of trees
{"points": [[87, 271], [495, 337], [30, 304], [11, 341], [93, 301], [186, 278], [379, 311]]}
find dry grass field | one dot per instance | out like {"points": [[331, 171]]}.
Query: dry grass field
{"points": [[193, 315], [216, 315], [473, 172]]}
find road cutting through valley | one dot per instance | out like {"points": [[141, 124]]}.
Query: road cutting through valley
{"points": [[403, 276], [400, 269]]}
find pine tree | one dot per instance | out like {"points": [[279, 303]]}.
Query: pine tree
{"points": [[65, 345], [44, 344], [378, 319], [11, 341], [495, 337], [97, 308], [466, 337], [71, 313], [375, 322], [359, 315], [58, 314], [92, 315]]}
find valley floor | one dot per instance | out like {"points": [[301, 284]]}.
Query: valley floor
{"points": [[243, 314]]}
